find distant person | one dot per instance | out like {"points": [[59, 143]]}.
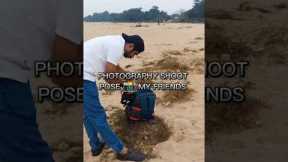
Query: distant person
{"points": [[29, 30], [102, 54]]}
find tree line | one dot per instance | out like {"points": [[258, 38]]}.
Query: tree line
{"points": [[195, 14]]}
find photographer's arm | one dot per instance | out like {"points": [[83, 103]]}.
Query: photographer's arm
{"points": [[66, 50], [111, 68]]}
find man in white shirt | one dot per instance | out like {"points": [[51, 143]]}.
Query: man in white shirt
{"points": [[102, 54], [29, 30]]}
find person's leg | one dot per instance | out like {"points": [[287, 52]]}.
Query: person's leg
{"points": [[94, 141], [20, 139], [95, 114]]}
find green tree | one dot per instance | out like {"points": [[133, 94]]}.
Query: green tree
{"points": [[133, 15], [197, 12]]}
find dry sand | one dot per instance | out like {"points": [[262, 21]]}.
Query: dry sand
{"points": [[185, 118], [259, 29], [60, 125]]}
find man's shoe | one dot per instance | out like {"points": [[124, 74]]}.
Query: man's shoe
{"points": [[99, 150], [131, 156]]}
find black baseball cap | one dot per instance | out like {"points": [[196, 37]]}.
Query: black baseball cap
{"points": [[136, 40]]}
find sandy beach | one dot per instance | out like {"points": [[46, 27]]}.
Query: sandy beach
{"points": [[169, 47]]}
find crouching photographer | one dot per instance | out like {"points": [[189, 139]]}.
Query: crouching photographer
{"points": [[102, 54]]}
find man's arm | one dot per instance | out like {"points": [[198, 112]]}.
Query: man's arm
{"points": [[66, 50], [111, 68]]}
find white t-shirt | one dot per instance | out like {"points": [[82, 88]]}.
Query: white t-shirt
{"points": [[100, 50], [28, 29]]}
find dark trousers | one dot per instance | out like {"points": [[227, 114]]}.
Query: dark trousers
{"points": [[20, 139]]}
